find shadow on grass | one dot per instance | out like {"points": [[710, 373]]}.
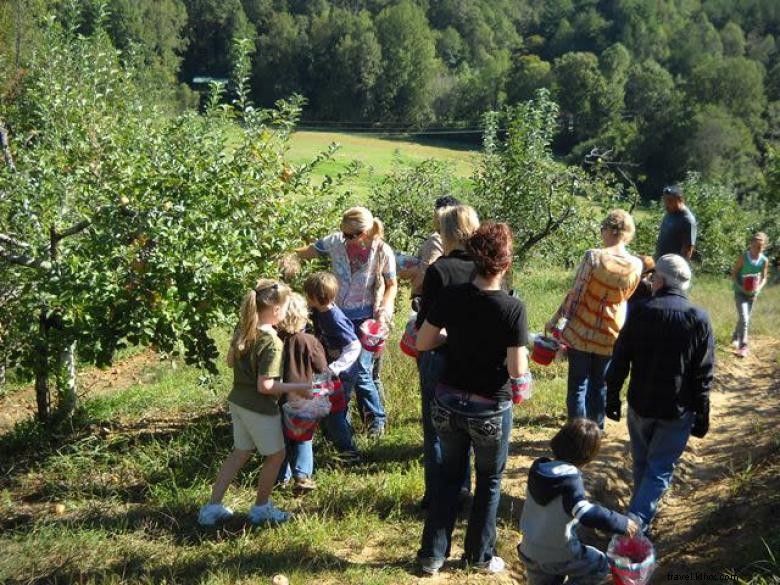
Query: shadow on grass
{"points": [[243, 565]]}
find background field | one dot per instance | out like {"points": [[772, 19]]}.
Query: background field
{"points": [[377, 155]]}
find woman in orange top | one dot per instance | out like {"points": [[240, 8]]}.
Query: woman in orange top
{"points": [[593, 312]]}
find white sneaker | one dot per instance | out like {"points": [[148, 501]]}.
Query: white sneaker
{"points": [[267, 514], [210, 514], [496, 565]]}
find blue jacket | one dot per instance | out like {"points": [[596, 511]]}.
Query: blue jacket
{"points": [[668, 346], [554, 505]]}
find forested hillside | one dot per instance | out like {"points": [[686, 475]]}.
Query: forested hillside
{"points": [[670, 85]]}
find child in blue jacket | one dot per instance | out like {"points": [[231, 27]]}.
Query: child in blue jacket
{"points": [[555, 504]]}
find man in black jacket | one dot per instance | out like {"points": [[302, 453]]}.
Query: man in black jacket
{"points": [[668, 345]]}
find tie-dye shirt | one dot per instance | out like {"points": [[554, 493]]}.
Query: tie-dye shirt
{"points": [[356, 287]]}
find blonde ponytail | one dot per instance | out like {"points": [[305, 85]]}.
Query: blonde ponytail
{"points": [[377, 230], [267, 293]]}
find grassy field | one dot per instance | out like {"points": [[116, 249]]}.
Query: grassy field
{"points": [[377, 156], [114, 500]]}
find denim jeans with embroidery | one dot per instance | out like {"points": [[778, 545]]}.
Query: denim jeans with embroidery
{"points": [[462, 424], [431, 364]]}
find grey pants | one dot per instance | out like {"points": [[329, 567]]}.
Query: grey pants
{"points": [[744, 308]]}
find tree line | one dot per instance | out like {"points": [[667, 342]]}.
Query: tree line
{"points": [[670, 86]]}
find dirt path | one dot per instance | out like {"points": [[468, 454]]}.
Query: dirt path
{"points": [[20, 405], [701, 523]]}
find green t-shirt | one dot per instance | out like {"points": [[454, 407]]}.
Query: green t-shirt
{"points": [[264, 358]]}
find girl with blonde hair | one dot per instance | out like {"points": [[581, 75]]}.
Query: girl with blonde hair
{"points": [[456, 225], [255, 355], [304, 357]]}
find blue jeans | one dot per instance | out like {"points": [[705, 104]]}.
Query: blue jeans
{"points": [[744, 308], [361, 378], [336, 427], [431, 364], [589, 568], [462, 424], [587, 390], [656, 445], [299, 461]]}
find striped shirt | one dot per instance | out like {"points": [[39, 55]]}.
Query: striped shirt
{"points": [[596, 305]]}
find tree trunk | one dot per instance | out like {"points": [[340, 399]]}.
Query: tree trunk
{"points": [[66, 382], [2, 375], [42, 369]]}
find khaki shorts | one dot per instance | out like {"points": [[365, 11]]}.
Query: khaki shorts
{"points": [[252, 430]]}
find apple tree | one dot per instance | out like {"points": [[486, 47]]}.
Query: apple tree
{"points": [[120, 224]]}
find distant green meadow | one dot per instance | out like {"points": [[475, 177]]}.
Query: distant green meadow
{"points": [[377, 156]]}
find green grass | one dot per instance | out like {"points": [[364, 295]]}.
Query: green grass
{"points": [[376, 154], [136, 466]]}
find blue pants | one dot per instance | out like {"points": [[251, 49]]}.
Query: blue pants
{"points": [[431, 364], [299, 461], [656, 446], [590, 568], [361, 377], [336, 427], [461, 425], [587, 390]]}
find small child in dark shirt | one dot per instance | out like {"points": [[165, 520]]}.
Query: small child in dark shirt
{"points": [[555, 503], [342, 347], [303, 357]]}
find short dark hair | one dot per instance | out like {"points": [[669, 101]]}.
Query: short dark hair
{"points": [[446, 201], [673, 190], [578, 442]]}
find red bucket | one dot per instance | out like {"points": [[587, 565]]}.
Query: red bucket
{"points": [[297, 427], [750, 282], [338, 399], [544, 350], [408, 341], [631, 559], [373, 334]]}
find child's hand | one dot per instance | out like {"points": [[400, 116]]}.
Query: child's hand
{"points": [[304, 393], [290, 266], [632, 528]]}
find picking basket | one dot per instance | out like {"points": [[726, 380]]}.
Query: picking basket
{"points": [[631, 559]]}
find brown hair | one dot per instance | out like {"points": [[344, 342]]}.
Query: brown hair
{"points": [[267, 293], [321, 287], [578, 442], [490, 246]]}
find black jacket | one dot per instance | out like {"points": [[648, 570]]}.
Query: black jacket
{"points": [[668, 345]]}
